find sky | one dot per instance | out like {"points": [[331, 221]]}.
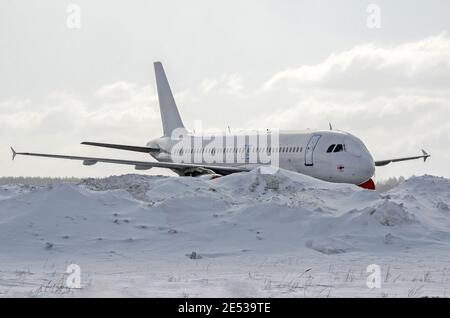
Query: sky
{"points": [[73, 71]]}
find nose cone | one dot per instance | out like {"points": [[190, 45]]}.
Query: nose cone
{"points": [[367, 167], [361, 160]]}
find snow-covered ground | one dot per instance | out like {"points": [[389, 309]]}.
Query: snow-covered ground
{"points": [[244, 235]]}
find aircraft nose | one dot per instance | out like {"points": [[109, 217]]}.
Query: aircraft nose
{"points": [[367, 167]]}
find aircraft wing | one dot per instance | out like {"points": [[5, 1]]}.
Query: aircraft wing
{"points": [[122, 147], [386, 162], [139, 165]]}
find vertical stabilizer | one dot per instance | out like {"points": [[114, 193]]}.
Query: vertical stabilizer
{"points": [[169, 112]]}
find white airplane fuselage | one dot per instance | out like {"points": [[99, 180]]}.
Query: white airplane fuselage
{"points": [[307, 152]]}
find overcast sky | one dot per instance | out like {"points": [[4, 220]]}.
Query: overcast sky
{"points": [[286, 64]]}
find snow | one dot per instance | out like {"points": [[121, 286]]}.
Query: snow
{"points": [[280, 234]]}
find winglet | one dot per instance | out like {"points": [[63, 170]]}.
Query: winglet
{"points": [[14, 153], [425, 155]]}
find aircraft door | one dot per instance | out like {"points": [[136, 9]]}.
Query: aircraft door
{"points": [[309, 151]]}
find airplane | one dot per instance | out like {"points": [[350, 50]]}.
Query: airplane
{"points": [[329, 155]]}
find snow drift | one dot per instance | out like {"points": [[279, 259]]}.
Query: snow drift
{"points": [[267, 212], [145, 217]]}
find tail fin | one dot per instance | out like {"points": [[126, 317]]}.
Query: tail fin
{"points": [[169, 112]]}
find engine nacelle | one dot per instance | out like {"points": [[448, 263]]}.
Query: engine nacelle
{"points": [[138, 167]]}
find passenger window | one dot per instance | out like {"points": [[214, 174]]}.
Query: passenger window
{"points": [[338, 148], [330, 149]]}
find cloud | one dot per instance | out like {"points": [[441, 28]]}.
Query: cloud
{"points": [[230, 84], [14, 104], [424, 64], [112, 110]]}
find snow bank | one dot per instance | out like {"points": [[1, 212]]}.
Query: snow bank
{"points": [[251, 216], [270, 213]]}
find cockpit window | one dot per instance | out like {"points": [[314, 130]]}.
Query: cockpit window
{"points": [[339, 148], [336, 148]]}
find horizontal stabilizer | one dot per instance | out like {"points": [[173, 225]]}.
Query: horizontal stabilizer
{"points": [[122, 147]]}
